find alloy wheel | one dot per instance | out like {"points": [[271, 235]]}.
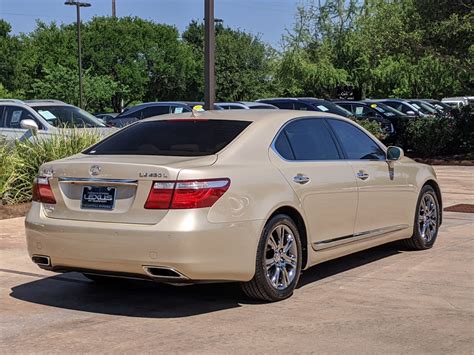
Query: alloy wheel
{"points": [[281, 257], [428, 217]]}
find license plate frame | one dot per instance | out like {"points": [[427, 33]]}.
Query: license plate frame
{"points": [[100, 198]]}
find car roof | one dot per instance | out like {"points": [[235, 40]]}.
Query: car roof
{"points": [[34, 103]]}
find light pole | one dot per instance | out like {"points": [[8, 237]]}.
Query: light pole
{"points": [[78, 6], [114, 11], [209, 56]]}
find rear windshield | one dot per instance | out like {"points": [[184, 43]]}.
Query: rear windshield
{"points": [[171, 138]]}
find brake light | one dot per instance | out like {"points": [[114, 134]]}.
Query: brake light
{"points": [[160, 196], [186, 194], [42, 191]]}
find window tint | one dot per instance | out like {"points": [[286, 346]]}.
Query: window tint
{"points": [[171, 138], [301, 106], [346, 106], [284, 105], [282, 146], [14, 115], [155, 111], [309, 139], [356, 143]]}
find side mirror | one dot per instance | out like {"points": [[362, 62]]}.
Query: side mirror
{"points": [[394, 153], [29, 124], [411, 113]]}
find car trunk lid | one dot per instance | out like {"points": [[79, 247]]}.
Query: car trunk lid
{"points": [[113, 188]]}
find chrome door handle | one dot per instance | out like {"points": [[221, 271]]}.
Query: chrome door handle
{"points": [[301, 179], [362, 175]]}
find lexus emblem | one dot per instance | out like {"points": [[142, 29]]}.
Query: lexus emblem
{"points": [[95, 170]]}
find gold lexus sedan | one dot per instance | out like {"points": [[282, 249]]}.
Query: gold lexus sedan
{"points": [[254, 197]]}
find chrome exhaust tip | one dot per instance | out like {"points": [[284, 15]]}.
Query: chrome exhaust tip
{"points": [[41, 260], [163, 272]]}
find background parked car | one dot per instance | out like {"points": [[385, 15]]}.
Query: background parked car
{"points": [[150, 109], [307, 104], [258, 105], [456, 102], [232, 106], [364, 110], [105, 118], [443, 107], [425, 107], [402, 106], [46, 117]]}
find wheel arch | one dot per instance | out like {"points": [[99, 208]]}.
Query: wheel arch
{"points": [[435, 186], [296, 216]]}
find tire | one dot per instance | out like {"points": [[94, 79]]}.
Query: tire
{"points": [[426, 221], [278, 280]]}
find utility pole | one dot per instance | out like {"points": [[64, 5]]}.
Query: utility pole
{"points": [[114, 12], [79, 46], [209, 56]]}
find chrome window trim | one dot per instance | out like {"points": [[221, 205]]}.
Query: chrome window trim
{"points": [[272, 145]]}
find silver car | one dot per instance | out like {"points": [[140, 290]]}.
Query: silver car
{"points": [[45, 117]]}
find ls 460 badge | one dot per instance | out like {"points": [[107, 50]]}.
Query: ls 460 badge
{"points": [[153, 175]]}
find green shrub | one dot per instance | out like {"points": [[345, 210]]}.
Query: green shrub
{"points": [[430, 137], [21, 161], [373, 127], [435, 137]]}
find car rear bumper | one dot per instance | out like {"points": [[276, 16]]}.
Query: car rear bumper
{"points": [[183, 241]]}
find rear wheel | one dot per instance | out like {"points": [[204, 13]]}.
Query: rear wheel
{"points": [[278, 264], [427, 217]]}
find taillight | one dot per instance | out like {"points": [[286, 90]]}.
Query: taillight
{"points": [[186, 194], [160, 196], [42, 191]]}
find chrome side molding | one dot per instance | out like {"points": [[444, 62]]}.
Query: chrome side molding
{"points": [[331, 243]]}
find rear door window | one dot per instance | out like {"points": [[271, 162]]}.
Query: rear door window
{"points": [[171, 138], [356, 144], [309, 139]]}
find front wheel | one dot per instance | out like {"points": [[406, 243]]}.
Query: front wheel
{"points": [[427, 218], [278, 263]]}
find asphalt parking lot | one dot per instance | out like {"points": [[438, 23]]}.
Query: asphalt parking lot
{"points": [[384, 300]]}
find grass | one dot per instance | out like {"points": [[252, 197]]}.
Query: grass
{"points": [[20, 161]]}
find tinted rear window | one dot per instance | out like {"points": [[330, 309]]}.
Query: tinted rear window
{"points": [[171, 138]]}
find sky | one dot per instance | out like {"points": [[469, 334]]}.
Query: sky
{"points": [[267, 18]]}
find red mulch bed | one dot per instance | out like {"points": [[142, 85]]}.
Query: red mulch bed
{"points": [[455, 160], [12, 211], [462, 208]]}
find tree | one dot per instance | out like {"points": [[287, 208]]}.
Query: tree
{"points": [[146, 60], [56, 83], [243, 63]]}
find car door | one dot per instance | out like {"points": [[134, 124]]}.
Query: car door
{"points": [[383, 188], [312, 163]]}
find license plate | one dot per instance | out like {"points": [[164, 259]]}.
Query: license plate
{"points": [[98, 197]]}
